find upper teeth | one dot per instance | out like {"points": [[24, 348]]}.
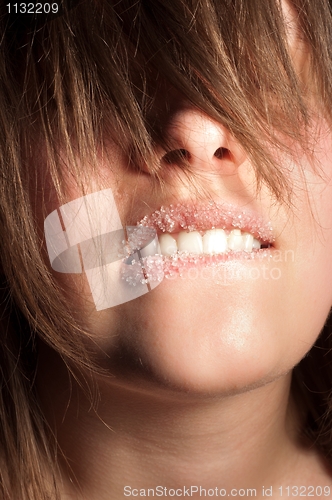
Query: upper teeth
{"points": [[214, 241]]}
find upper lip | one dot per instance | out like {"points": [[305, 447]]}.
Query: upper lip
{"points": [[204, 216]]}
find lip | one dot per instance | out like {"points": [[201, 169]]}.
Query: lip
{"points": [[202, 217], [198, 217]]}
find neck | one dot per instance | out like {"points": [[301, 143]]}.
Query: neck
{"points": [[140, 439]]}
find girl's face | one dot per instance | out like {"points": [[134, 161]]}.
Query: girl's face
{"points": [[217, 324]]}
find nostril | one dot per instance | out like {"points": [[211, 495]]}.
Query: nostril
{"points": [[221, 153], [176, 156]]}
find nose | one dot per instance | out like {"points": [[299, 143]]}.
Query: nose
{"points": [[201, 141]]}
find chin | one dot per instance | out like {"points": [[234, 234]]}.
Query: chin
{"points": [[204, 338]]}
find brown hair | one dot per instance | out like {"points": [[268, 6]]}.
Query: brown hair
{"points": [[92, 73]]}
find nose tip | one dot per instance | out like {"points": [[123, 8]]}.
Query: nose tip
{"points": [[203, 142]]}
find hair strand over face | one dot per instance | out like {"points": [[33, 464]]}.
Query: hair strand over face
{"points": [[69, 86]]}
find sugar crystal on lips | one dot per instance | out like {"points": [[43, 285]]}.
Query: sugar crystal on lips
{"points": [[153, 266], [138, 236], [159, 267], [200, 235], [200, 217]]}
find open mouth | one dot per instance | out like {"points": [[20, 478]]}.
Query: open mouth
{"points": [[208, 230], [194, 236]]}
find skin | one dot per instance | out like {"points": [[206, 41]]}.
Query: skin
{"points": [[200, 369]]}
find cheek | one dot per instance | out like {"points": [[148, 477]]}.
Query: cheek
{"points": [[308, 234], [314, 214], [310, 288]]}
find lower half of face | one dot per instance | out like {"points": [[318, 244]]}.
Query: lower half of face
{"points": [[220, 329], [222, 325]]}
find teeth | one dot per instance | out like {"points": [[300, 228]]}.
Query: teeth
{"points": [[256, 244], [214, 241], [151, 249], [248, 241], [235, 240], [168, 244], [190, 242]]}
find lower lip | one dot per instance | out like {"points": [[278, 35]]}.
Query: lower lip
{"points": [[158, 267]]}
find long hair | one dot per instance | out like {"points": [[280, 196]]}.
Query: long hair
{"points": [[68, 84]]}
